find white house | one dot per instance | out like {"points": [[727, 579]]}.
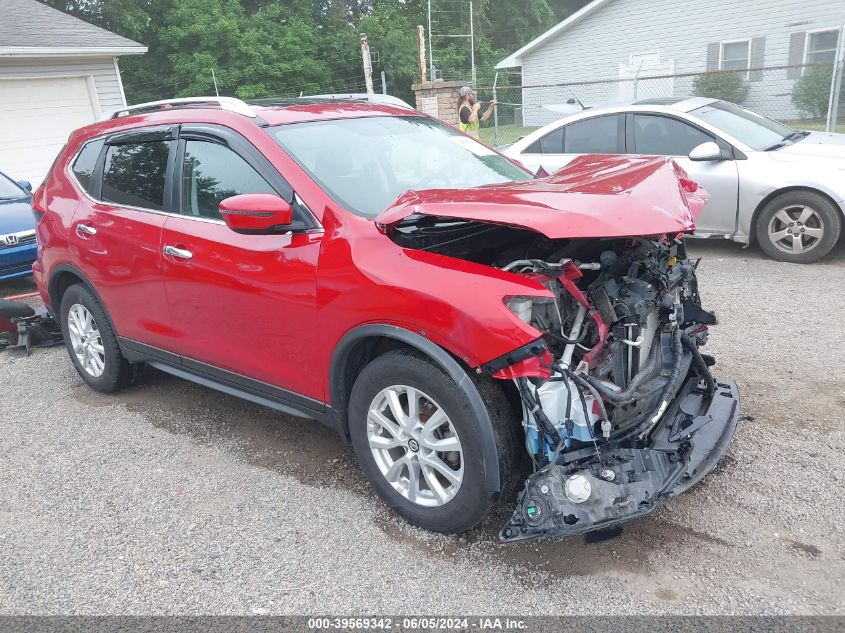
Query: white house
{"points": [[57, 73], [623, 39]]}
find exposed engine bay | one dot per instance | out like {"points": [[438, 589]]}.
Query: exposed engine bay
{"points": [[620, 409]]}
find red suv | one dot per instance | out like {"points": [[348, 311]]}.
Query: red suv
{"points": [[466, 326]]}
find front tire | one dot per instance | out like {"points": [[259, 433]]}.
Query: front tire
{"points": [[92, 343], [416, 437], [799, 227]]}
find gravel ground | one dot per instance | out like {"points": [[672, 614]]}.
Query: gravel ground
{"points": [[170, 498]]}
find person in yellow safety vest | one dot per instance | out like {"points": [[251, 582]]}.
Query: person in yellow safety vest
{"points": [[469, 111]]}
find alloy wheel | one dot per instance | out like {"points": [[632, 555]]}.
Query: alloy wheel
{"points": [[796, 229], [86, 340], [415, 445]]}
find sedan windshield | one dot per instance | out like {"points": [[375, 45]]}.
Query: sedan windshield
{"points": [[755, 130], [9, 190], [365, 164]]}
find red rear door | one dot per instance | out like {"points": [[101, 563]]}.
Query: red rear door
{"points": [[116, 240], [244, 304]]}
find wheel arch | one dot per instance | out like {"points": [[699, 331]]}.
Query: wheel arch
{"points": [[63, 277], [752, 232], [365, 343]]}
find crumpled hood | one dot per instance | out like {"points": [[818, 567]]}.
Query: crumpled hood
{"points": [[593, 196]]}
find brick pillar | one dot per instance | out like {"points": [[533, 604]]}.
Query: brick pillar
{"points": [[439, 99]]}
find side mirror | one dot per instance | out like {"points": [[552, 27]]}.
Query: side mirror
{"points": [[706, 151], [256, 213], [25, 185]]}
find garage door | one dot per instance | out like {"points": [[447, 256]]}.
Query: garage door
{"points": [[36, 116]]}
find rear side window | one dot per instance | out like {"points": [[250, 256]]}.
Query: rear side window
{"points": [[86, 160], [551, 143], [134, 174], [599, 135]]}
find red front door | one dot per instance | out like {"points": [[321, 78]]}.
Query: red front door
{"points": [[242, 303]]}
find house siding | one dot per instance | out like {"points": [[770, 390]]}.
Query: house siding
{"points": [[103, 70], [595, 48]]}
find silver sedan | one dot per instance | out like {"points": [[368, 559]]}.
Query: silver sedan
{"points": [[781, 188]]}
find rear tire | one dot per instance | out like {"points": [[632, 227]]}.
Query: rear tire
{"points": [[435, 499], [798, 226], [92, 343]]}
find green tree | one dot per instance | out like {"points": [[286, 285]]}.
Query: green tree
{"points": [[723, 85], [811, 93]]}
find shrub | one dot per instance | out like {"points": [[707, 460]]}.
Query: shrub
{"points": [[811, 93], [726, 86]]}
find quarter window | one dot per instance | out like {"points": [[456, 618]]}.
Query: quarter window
{"points": [[663, 136], [551, 143], [211, 173], [598, 135], [735, 56], [821, 47], [86, 160], [134, 174]]}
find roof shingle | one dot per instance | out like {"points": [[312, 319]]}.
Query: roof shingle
{"points": [[28, 24]]}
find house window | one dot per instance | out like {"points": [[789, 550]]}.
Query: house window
{"points": [[821, 47], [735, 56]]}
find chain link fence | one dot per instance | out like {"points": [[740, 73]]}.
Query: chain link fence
{"points": [[797, 95]]}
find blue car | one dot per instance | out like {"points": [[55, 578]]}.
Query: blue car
{"points": [[17, 228]]}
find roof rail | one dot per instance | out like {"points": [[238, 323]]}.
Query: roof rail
{"points": [[230, 104]]}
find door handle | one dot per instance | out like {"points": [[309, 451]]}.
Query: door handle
{"points": [[83, 229], [179, 253]]}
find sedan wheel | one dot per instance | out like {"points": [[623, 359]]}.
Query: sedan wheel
{"points": [[86, 341], [798, 226], [415, 445], [796, 229]]}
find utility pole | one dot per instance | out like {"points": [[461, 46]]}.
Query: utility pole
{"points": [[383, 83], [368, 63], [214, 79], [421, 54], [836, 81], [472, 46], [430, 53]]}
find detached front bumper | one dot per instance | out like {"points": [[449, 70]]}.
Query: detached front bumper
{"points": [[628, 482]]}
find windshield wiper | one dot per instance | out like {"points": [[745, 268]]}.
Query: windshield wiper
{"points": [[787, 140]]}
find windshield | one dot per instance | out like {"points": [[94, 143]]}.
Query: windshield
{"points": [[9, 190], [755, 130], [365, 164]]}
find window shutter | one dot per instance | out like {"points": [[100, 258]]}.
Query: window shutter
{"points": [[796, 54], [758, 58], [713, 56]]}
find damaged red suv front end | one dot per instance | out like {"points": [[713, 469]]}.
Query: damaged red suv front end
{"points": [[620, 409], [468, 328]]}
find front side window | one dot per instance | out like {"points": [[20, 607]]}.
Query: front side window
{"points": [[134, 174], [734, 56], [211, 173], [366, 163], [821, 47], [663, 136], [551, 143], [86, 160], [599, 135]]}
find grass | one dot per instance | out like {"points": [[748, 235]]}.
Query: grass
{"points": [[507, 133], [814, 125]]}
